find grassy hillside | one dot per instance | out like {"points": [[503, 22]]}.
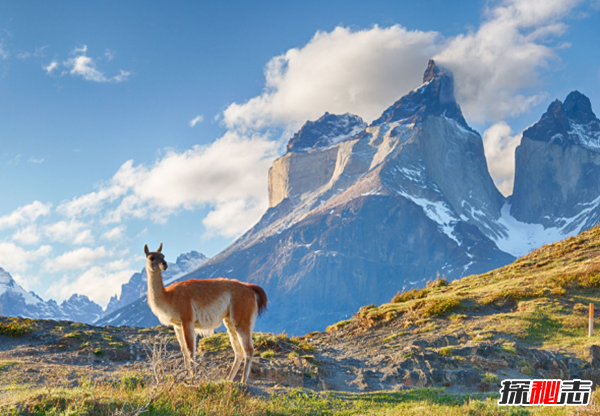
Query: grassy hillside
{"points": [[438, 350], [541, 299]]}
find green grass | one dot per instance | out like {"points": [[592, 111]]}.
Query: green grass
{"points": [[5, 365], [509, 348], [268, 354], [75, 335], [228, 399], [446, 351], [338, 325]]}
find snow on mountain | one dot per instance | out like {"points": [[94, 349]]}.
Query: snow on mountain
{"points": [[8, 284], [16, 301]]}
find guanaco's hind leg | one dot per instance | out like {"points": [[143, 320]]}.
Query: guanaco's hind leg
{"points": [[237, 348]]}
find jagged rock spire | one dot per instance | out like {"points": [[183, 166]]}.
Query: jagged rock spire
{"points": [[431, 72], [434, 97]]}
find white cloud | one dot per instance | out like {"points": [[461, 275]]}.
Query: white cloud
{"points": [[51, 67], [28, 235], [26, 282], [25, 215], [84, 237], [38, 53], [361, 72], [233, 168], [96, 283], [494, 65], [231, 218], [85, 67], [196, 120], [34, 160], [93, 202], [72, 232], [114, 234], [499, 145], [117, 265], [365, 71], [76, 259], [13, 257]]}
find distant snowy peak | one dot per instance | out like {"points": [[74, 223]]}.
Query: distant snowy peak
{"points": [[434, 97], [185, 263], [571, 122], [328, 130], [8, 285]]}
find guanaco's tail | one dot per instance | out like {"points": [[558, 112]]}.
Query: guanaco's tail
{"points": [[261, 302]]}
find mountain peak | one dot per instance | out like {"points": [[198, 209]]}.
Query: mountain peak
{"points": [[434, 97], [571, 122], [578, 107], [328, 130], [431, 72]]}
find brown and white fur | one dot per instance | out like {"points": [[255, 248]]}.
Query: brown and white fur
{"points": [[198, 307]]}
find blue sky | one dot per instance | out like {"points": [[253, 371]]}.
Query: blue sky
{"points": [[100, 152]]}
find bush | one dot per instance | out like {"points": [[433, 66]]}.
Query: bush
{"points": [[16, 327], [440, 306]]}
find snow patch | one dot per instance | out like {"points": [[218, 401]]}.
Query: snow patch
{"points": [[521, 237], [586, 135], [438, 212]]}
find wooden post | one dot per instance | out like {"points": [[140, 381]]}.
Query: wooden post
{"points": [[591, 328]]}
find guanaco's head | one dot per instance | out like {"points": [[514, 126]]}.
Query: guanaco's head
{"points": [[155, 260]]}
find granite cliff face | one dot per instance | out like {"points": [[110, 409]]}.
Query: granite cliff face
{"points": [[558, 166]]}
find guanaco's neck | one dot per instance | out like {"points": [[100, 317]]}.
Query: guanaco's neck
{"points": [[156, 289]]}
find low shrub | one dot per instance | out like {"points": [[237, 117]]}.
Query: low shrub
{"points": [[16, 327]]}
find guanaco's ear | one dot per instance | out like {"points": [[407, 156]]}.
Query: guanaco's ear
{"points": [[146, 250], [159, 248]]}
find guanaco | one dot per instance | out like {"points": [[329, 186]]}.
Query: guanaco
{"points": [[198, 306]]}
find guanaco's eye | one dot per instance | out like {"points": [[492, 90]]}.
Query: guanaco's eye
{"points": [[151, 258]]}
